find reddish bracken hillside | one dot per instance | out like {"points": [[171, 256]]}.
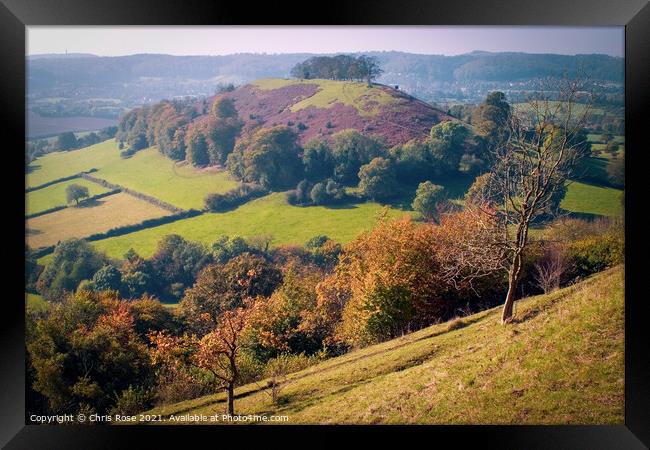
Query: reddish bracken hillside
{"points": [[321, 108]]}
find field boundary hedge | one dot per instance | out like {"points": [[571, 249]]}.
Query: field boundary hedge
{"points": [[147, 198], [59, 180], [60, 207], [126, 229]]}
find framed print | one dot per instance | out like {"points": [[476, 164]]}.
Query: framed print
{"points": [[379, 218]]}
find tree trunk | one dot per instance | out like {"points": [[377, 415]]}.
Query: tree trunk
{"points": [[513, 281], [231, 399]]}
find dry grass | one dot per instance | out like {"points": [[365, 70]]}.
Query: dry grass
{"points": [[97, 217]]}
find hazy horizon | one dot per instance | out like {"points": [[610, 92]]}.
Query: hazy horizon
{"points": [[228, 40]]}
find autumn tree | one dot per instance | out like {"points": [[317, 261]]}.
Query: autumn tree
{"points": [[532, 159], [223, 287], [218, 350], [85, 352]]}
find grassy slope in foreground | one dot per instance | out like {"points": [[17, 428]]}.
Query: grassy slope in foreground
{"points": [[153, 174], [54, 195], [561, 363], [269, 215]]}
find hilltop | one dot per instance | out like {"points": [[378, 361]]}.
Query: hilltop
{"points": [[320, 108], [560, 362]]}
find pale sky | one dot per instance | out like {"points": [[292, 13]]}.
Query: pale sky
{"points": [[222, 40]]}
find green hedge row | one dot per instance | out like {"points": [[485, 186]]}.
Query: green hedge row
{"points": [[59, 180]]}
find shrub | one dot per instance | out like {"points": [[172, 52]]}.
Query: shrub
{"points": [[596, 253], [234, 197], [427, 197], [133, 401], [318, 194]]}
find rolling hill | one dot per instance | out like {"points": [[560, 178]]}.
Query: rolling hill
{"points": [[320, 108], [561, 362]]}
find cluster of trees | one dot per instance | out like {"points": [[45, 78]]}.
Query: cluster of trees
{"points": [[161, 124], [340, 67], [171, 126], [274, 159], [324, 192], [211, 140]]}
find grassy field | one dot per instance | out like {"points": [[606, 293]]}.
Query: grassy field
{"points": [[594, 200], [269, 215], [62, 164], [153, 174], [366, 100], [578, 108], [560, 362], [100, 216], [54, 195], [597, 138]]}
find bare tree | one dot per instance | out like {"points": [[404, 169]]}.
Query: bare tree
{"points": [[531, 163], [550, 270]]}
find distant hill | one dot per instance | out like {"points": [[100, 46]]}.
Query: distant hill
{"points": [[561, 362], [123, 75], [320, 108], [60, 56]]}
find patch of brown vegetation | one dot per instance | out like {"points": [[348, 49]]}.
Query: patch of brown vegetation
{"points": [[397, 123]]}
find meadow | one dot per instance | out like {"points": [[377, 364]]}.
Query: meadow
{"points": [[64, 164], [578, 108], [561, 362], [153, 174], [592, 200], [54, 195], [269, 215], [147, 171], [95, 217]]}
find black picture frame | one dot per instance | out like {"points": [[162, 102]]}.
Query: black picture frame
{"points": [[15, 15]]}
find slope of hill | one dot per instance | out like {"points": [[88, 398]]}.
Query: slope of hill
{"points": [[561, 362], [320, 108]]}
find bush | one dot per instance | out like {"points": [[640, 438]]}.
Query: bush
{"points": [[133, 401], [427, 197], [596, 253], [234, 197]]}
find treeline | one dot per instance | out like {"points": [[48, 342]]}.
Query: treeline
{"points": [[300, 303], [340, 67], [67, 141], [170, 125]]}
